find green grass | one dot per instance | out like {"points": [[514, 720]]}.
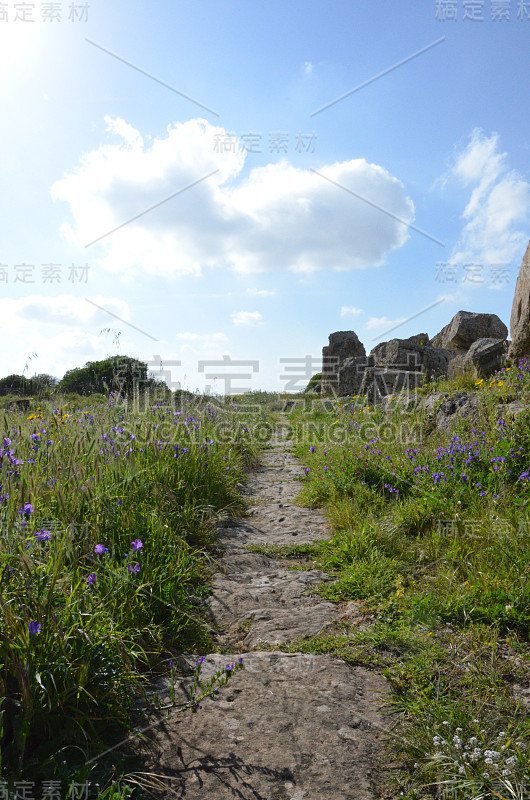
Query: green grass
{"points": [[432, 537], [82, 632]]}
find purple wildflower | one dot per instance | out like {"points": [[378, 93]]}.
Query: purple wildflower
{"points": [[136, 545], [42, 535], [33, 628], [136, 567], [99, 549], [91, 579]]}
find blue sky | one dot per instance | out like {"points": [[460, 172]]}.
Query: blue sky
{"points": [[410, 189]]}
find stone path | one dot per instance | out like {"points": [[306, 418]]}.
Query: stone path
{"points": [[288, 726]]}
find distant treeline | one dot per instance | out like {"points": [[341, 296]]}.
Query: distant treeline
{"points": [[116, 374]]}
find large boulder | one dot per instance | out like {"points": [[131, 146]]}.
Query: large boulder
{"points": [[415, 354], [520, 316], [486, 355], [466, 327], [462, 405], [343, 345], [350, 375]]}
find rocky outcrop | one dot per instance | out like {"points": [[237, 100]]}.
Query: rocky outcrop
{"points": [[445, 410], [466, 327], [463, 405], [415, 354], [350, 375], [343, 345], [520, 316], [402, 365], [486, 355]]}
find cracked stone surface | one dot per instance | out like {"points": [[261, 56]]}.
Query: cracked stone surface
{"points": [[289, 726]]}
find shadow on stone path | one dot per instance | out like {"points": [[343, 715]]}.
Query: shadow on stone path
{"points": [[289, 726]]}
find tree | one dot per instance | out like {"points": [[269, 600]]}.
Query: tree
{"points": [[313, 383], [118, 373], [15, 384]]}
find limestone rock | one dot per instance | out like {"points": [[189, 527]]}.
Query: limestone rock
{"points": [[430, 402], [342, 345], [463, 405], [415, 354], [520, 316], [486, 355], [512, 409], [288, 726], [466, 327], [350, 375], [457, 364]]}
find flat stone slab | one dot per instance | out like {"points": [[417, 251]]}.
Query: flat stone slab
{"points": [[286, 727], [272, 604]]}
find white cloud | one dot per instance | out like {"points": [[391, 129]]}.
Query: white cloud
{"points": [[347, 310], [382, 323], [278, 217], [261, 292], [247, 318], [308, 68], [63, 309], [497, 212]]}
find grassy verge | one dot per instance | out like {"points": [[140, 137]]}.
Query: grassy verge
{"points": [[432, 537], [106, 516]]}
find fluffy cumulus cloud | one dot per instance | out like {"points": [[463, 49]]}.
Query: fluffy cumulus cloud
{"points": [[249, 319], [202, 212], [497, 213]]}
